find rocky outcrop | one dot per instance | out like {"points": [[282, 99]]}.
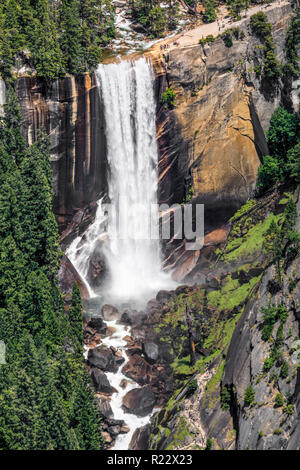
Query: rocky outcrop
{"points": [[140, 438], [263, 425]]}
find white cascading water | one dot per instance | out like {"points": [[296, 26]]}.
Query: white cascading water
{"points": [[132, 256]]}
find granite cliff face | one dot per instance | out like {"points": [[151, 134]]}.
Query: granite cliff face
{"points": [[214, 137], [70, 111]]}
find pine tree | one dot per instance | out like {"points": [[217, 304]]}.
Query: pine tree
{"points": [[46, 53], [86, 417], [70, 36]]}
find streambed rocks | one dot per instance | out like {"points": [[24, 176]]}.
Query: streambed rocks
{"points": [[101, 382], [103, 358], [137, 369]]}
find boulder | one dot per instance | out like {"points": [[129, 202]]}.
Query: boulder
{"points": [[151, 352], [97, 268], [134, 348], [153, 306], [212, 281], [124, 430], [98, 324], [217, 236], [102, 358], [140, 438], [101, 382], [123, 383], [187, 266], [131, 317], [107, 437], [163, 296], [110, 313], [114, 431], [139, 401], [137, 369], [105, 408]]}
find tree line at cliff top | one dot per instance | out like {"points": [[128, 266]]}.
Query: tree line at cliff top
{"points": [[67, 36], [46, 397], [54, 37]]}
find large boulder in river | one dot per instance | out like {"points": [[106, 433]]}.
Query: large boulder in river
{"points": [[101, 382], [131, 317], [102, 358], [110, 313], [137, 369], [140, 438], [98, 325], [139, 401], [151, 352]]}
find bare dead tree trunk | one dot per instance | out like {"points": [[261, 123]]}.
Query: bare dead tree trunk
{"points": [[191, 337]]}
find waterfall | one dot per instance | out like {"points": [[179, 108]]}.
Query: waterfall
{"points": [[129, 236], [133, 257]]}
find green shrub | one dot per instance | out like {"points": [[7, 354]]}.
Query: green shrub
{"points": [[292, 45], [156, 21], [277, 431], [284, 371], [269, 173], [209, 14], [249, 395], [257, 70], [289, 409], [208, 39], [268, 363], [262, 29], [192, 387], [238, 33], [279, 336], [227, 38], [260, 25], [293, 163], [271, 314], [225, 398], [208, 444], [283, 132], [168, 98], [279, 400]]}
